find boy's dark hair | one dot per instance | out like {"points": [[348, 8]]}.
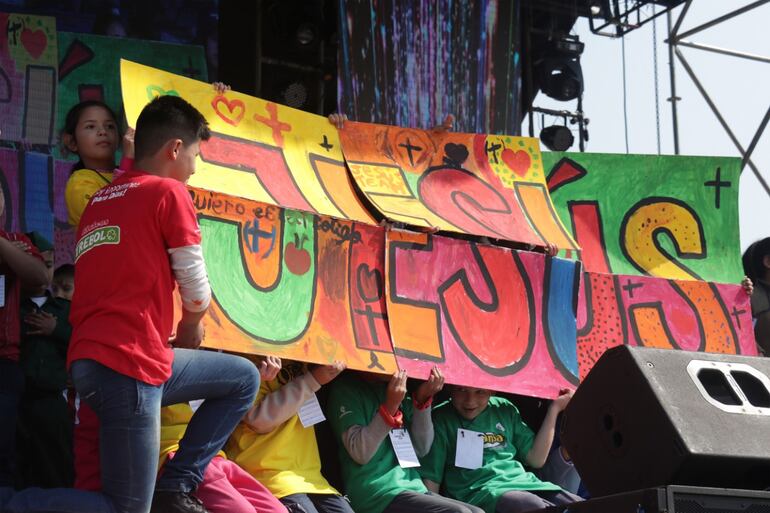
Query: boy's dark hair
{"points": [[753, 266], [71, 123], [165, 118], [64, 271]]}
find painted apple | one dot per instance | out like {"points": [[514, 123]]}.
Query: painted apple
{"points": [[297, 259]]}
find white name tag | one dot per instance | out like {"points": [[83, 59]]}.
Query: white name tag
{"points": [[470, 449], [310, 412], [2, 290], [402, 445]]}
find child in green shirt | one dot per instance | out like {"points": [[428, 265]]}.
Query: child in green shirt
{"points": [[363, 410], [495, 479]]}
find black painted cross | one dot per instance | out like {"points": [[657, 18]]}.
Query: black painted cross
{"points": [[13, 30], [492, 148], [717, 183], [736, 313], [325, 144], [409, 147], [630, 286]]}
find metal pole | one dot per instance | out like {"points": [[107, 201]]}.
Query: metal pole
{"points": [[721, 120], [671, 70], [672, 33], [725, 51], [726, 17], [755, 140]]}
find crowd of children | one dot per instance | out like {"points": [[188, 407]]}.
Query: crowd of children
{"points": [[162, 426]]}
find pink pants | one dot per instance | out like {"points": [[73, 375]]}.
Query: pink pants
{"points": [[227, 488]]}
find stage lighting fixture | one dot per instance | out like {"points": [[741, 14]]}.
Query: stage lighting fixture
{"points": [[561, 78], [558, 73], [557, 137]]}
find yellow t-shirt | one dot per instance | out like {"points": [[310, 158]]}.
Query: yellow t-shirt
{"points": [[173, 423], [285, 460], [82, 184]]}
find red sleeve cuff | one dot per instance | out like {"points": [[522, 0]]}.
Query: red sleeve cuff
{"points": [[394, 421], [424, 405]]}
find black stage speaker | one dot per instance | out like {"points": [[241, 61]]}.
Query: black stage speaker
{"points": [[673, 499], [652, 417]]}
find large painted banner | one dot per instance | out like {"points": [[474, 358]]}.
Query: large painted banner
{"points": [[27, 78], [487, 316], [299, 268], [655, 312], [665, 216], [411, 63], [294, 284], [258, 150], [483, 185]]}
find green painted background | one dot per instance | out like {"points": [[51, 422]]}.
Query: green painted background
{"points": [[619, 181]]}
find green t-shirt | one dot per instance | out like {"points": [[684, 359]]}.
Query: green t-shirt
{"points": [[371, 487], [507, 441]]}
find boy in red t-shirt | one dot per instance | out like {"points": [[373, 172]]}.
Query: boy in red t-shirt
{"points": [[137, 238], [20, 264]]}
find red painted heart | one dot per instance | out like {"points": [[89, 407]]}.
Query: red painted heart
{"points": [[518, 161], [235, 109], [369, 283], [34, 42]]}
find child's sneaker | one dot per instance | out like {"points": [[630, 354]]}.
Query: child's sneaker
{"points": [[176, 502]]}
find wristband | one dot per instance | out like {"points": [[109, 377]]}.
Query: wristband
{"points": [[394, 421], [422, 406]]}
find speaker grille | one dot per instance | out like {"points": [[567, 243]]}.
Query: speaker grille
{"points": [[687, 503]]}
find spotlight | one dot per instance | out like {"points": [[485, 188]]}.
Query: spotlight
{"points": [[557, 137], [561, 78], [558, 73]]}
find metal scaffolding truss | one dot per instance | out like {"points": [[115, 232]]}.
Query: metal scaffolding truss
{"points": [[677, 39]]}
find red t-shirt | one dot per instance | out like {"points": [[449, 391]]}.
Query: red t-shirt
{"points": [[122, 310], [10, 323]]}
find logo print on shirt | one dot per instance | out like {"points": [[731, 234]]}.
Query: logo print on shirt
{"points": [[343, 412], [493, 440], [98, 237], [500, 427]]}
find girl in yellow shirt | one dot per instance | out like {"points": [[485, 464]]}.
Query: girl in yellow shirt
{"points": [[91, 132]]}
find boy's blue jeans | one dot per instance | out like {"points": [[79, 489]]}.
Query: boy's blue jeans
{"points": [[129, 418]]}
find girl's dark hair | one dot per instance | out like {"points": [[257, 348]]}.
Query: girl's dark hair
{"points": [[753, 257], [71, 123]]}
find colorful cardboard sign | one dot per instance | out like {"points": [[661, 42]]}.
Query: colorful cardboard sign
{"points": [[666, 216], [485, 185], [258, 150], [654, 312], [489, 317], [293, 284]]}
